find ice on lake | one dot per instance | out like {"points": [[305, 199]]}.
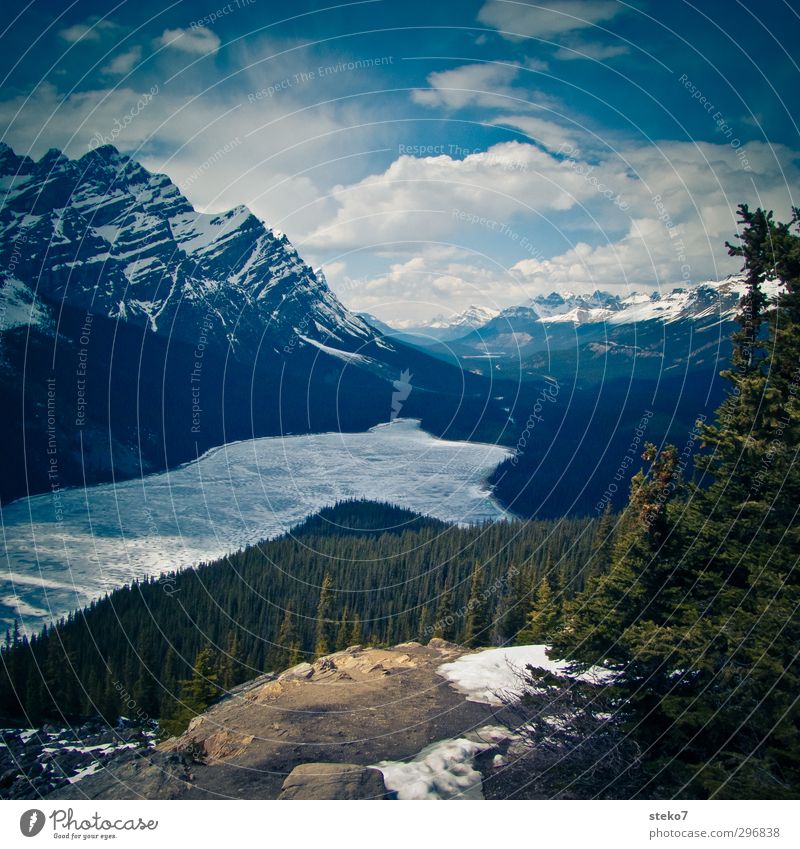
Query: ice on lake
{"points": [[63, 550]]}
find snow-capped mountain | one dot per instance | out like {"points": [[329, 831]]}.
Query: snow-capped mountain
{"points": [[595, 336], [108, 236], [439, 328], [469, 319], [718, 299], [711, 299]]}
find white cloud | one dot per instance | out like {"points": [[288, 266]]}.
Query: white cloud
{"points": [[549, 134], [487, 84], [439, 279], [92, 29], [517, 20], [579, 49], [198, 40], [683, 207], [123, 63], [422, 198], [638, 217], [484, 83]]}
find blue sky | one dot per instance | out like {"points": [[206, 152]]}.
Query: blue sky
{"points": [[431, 156]]}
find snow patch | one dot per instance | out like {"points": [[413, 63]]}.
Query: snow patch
{"points": [[484, 676], [347, 356], [443, 770]]}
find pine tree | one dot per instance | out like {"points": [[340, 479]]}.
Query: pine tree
{"points": [[325, 637], [230, 665], [343, 632], [356, 634], [699, 611], [286, 645], [445, 625], [202, 688], [544, 619], [477, 631], [196, 694]]}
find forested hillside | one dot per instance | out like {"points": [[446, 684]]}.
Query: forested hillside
{"points": [[357, 573]]}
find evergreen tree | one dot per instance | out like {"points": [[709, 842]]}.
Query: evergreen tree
{"points": [[699, 611], [286, 646], [230, 664], [196, 693], [343, 632], [544, 619], [356, 633], [512, 607], [325, 637], [478, 629], [445, 624]]}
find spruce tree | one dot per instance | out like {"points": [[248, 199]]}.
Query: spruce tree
{"points": [[325, 636], [544, 619], [286, 642], [478, 628], [698, 614], [356, 632]]}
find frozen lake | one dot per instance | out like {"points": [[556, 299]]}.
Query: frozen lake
{"points": [[63, 551]]}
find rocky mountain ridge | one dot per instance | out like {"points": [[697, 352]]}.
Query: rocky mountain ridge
{"points": [[105, 235]]}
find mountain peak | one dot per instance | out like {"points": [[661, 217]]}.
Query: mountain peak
{"points": [[162, 262], [106, 152], [53, 156]]}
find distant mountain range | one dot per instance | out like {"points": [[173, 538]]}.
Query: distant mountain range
{"points": [[710, 299], [438, 328]]}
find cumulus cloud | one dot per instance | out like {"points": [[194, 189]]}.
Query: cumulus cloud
{"points": [[484, 83], [682, 208], [439, 279], [423, 197], [92, 29], [197, 40], [639, 217], [124, 63], [515, 20]]}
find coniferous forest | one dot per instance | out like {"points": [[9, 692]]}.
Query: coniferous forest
{"points": [[311, 592]]}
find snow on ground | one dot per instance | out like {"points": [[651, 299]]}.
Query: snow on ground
{"points": [[347, 356], [443, 770], [58, 556], [83, 773], [485, 674]]}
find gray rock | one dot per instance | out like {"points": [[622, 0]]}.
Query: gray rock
{"points": [[334, 781]]}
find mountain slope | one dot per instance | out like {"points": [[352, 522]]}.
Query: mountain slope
{"points": [[137, 333]]}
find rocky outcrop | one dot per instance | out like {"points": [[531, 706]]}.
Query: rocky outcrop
{"points": [[333, 781], [346, 711]]}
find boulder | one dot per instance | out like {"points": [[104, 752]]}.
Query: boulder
{"points": [[334, 781]]}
